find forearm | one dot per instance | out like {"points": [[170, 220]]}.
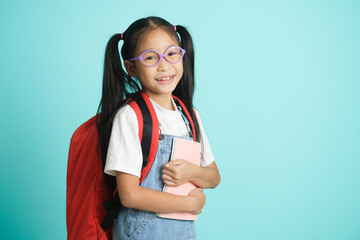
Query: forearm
{"points": [[155, 201], [207, 177]]}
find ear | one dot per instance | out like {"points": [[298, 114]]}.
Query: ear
{"points": [[130, 68]]}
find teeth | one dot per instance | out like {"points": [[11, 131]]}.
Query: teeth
{"points": [[164, 79]]}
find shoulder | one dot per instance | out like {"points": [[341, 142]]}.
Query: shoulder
{"points": [[125, 112], [125, 117], [198, 119], [197, 114]]}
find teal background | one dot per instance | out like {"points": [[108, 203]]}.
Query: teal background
{"points": [[277, 88]]}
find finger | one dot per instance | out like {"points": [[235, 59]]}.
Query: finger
{"points": [[173, 183], [168, 173], [167, 178], [168, 166], [168, 183], [173, 163]]}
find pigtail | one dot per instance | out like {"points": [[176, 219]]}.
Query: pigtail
{"points": [[116, 84], [185, 88], [113, 87]]}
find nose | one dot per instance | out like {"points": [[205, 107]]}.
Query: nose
{"points": [[163, 65]]}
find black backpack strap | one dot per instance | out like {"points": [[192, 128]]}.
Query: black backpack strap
{"points": [[149, 138], [113, 208]]}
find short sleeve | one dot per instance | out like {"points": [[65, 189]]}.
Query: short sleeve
{"points": [[124, 151], [206, 154]]}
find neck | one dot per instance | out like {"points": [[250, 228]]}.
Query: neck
{"points": [[164, 100]]}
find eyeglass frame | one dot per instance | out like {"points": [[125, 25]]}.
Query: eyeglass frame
{"points": [[161, 56]]}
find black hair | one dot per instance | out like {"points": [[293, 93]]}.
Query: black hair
{"points": [[118, 85]]}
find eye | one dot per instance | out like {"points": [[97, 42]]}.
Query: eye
{"points": [[172, 53], [150, 58]]}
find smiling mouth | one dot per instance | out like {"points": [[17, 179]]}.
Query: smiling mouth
{"points": [[169, 78]]}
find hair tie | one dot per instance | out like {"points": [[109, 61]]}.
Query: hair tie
{"points": [[122, 36], [175, 28]]}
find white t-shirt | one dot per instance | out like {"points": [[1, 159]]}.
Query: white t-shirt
{"points": [[124, 151]]}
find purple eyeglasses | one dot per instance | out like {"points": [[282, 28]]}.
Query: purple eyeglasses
{"points": [[151, 57]]}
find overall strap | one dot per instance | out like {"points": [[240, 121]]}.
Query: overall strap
{"points": [[184, 110], [186, 121]]}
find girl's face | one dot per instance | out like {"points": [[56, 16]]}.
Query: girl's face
{"points": [[160, 80]]}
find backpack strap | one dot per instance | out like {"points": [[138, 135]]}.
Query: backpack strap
{"points": [[148, 131], [149, 138]]}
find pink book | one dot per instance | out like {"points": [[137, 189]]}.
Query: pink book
{"points": [[190, 151]]}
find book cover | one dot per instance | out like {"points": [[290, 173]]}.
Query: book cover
{"points": [[190, 151]]}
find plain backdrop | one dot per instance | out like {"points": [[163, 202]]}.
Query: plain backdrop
{"points": [[277, 86]]}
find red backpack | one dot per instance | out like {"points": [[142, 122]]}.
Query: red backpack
{"points": [[91, 205]]}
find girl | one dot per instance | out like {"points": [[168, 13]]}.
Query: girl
{"points": [[160, 64]]}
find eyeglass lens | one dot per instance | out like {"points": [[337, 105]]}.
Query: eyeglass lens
{"points": [[152, 58]]}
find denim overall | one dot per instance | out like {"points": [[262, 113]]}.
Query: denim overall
{"points": [[133, 224]]}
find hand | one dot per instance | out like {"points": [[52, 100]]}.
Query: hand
{"points": [[177, 172], [200, 199]]}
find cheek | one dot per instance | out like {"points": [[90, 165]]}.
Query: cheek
{"points": [[146, 73], [180, 70]]}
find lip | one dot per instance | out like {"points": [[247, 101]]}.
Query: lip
{"points": [[171, 78]]}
